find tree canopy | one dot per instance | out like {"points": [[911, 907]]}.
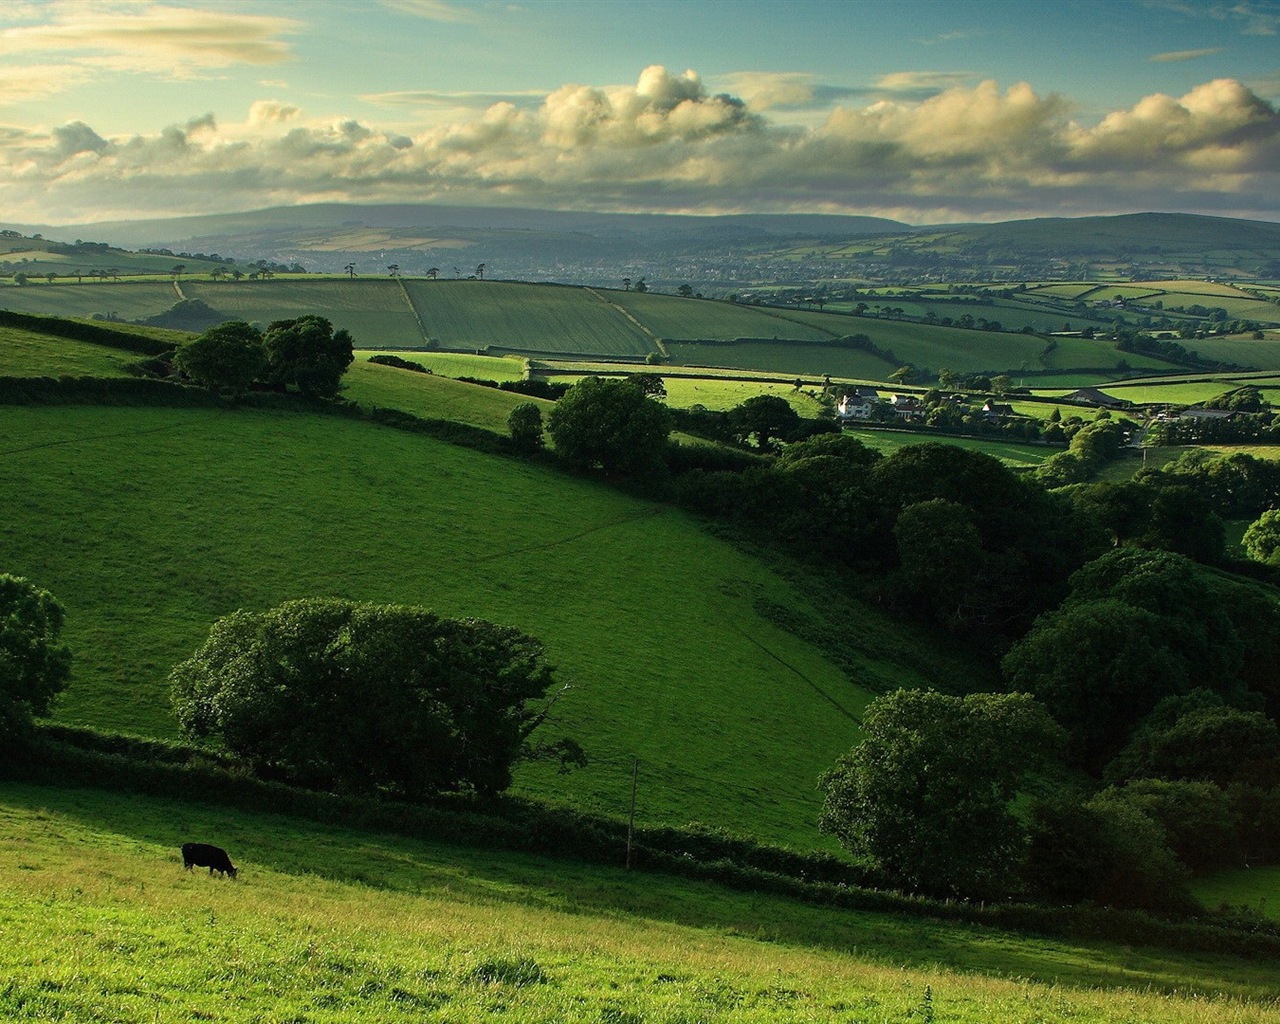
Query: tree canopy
{"points": [[307, 353], [34, 666], [363, 697], [228, 357], [610, 424], [926, 795]]}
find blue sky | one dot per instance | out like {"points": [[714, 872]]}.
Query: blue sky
{"points": [[924, 111]]}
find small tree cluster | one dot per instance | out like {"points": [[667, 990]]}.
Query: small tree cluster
{"points": [[305, 353], [367, 698]]}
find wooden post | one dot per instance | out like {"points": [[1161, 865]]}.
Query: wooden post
{"points": [[631, 817]]}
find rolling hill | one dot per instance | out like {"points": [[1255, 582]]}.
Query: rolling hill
{"points": [[150, 523], [568, 322], [334, 925], [724, 252]]}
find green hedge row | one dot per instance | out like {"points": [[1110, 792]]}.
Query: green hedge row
{"points": [[76, 757], [76, 331], [102, 391]]}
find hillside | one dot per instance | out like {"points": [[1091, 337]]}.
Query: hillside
{"points": [[151, 523], [336, 926], [591, 323], [724, 252]]}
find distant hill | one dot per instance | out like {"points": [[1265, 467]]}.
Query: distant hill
{"points": [[715, 254]]}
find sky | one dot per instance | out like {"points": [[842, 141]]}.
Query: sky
{"points": [[925, 111]]}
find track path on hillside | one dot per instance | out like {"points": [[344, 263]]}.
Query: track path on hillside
{"points": [[551, 544], [794, 671], [93, 437]]}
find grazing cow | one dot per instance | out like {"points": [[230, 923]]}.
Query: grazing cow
{"points": [[205, 856]]}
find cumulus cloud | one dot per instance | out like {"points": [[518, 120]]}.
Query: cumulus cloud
{"points": [[271, 112], [668, 143]]}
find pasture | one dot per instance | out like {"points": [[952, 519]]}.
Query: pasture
{"points": [[479, 315], [130, 300], [334, 926], [431, 396], [151, 523], [24, 354], [677, 319], [788, 358], [460, 364], [373, 310], [1012, 454]]}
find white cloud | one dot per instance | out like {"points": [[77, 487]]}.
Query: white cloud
{"points": [[667, 143], [153, 38], [1177, 56], [433, 10]]}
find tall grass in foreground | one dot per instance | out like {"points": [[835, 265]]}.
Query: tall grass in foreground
{"points": [[100, 922]]}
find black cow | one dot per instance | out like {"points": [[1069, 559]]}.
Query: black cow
{"points": [[205, 856]]}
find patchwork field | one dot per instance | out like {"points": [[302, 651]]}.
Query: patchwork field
{"points": [[337, 927]]}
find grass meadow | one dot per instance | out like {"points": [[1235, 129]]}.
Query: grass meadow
{"points": [[128, 299], [330, 926], [459, 364], [541, 318], [24, 354], [373, 310], [680, 319], [786, 357], [151, 523], [432, 396], [1010, 453]]}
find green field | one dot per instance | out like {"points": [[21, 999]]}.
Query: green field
{"points": [[129, 300], [23, 354], [1256, 888], [332, 926], [789, 358], [1008, 452], [151, 523], [459, 364], [524, 317], [1264, 355], [584, 323], [699, 320], [374, 311], [432, 396], [725, 394]]}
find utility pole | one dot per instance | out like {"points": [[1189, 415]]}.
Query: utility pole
{"points": [[631, 818]]}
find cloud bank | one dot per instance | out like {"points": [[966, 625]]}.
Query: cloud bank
{"points": [[968, 152]]}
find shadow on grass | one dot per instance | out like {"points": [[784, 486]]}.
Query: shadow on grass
{"points": [[288, 846]]}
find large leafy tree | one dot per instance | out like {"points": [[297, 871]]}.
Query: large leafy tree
{"points": [[926, 795], [764, 418], [611, 424], [364, 697], [307, 353], [34, 666], [228, 357]]}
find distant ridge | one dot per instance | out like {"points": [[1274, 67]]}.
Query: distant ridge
{"points": [[165, 231]]}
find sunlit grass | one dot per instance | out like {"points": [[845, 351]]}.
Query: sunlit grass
{"points": [[149, 524], [100, 922]]}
